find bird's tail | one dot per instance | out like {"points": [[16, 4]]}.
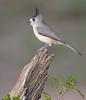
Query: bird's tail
{"points": [[70, 47]]}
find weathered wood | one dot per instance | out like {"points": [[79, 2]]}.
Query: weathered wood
{"points": [[33, 77]]}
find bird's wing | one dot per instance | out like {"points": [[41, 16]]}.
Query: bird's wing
{"points": [[45, 30]]}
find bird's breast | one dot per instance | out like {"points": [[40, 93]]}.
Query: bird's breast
{"points": [[42, 38]]}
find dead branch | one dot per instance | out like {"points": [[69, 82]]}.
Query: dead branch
{"points": [[33, 77]]}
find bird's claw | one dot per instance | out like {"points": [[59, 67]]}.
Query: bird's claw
{"points": [[42, 48]]}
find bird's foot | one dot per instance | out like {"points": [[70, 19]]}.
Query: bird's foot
{"points": [[42, 48]]}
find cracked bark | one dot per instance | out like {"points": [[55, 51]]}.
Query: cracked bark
{"points": [[33, 77]]}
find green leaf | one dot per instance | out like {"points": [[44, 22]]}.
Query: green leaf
{"points": [[71, 82], [57, 80], [7, 97], [46, 96], [16, 98]]}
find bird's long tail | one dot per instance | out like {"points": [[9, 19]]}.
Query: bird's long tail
{"points": [[70, 47]]}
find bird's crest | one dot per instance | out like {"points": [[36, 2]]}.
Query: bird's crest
{"points": [[36, 12]]}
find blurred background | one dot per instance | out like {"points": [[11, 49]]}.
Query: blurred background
{"points": [[18, 43]]}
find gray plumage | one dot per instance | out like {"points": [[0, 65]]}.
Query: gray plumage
{"points": [[48, 31], [46, 34]]}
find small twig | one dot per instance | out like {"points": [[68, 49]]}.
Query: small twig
{"points": [[60, 97]]}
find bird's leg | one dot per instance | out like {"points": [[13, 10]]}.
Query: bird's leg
{"points": [[45, 46]]}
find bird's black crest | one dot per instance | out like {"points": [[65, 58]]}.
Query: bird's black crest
{"points": [[36, 12]]}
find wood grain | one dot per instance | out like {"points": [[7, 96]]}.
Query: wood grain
{"points": [[33, 77]]}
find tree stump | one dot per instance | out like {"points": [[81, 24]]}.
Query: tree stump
{"points": [[33, 77]]}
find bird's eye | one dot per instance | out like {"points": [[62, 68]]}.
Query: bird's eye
{"points": [[33, 19]]}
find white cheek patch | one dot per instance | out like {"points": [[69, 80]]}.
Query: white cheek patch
{"points": [[31, 19]]}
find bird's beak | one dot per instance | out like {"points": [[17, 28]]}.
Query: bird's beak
{"points": [[36, 13], [28, 20]]}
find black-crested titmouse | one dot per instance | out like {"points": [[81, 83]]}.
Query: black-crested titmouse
{"points": [[46, 34]]}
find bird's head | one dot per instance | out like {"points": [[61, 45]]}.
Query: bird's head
{"points": [[36, 19]]}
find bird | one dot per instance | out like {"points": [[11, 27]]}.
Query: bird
{"points": [[46, 34]]}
